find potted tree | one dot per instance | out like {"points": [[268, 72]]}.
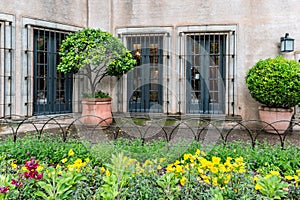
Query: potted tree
{"points": [[95, 54], [275, 83]]}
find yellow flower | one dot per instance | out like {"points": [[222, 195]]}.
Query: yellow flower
{"points": [[255, 178], [24, 168], [64, 160], [39, 168], [131, 161], [276, 173], [268, 176], [186, 156], [170, 168], [147, 162], [197, 152], [161, 160], [215, 160], [71, 167], [182, 181], [187, 167], [209, 164], [71, 152], [203, 162], [227, 179], [13, 165], [296, 178], [200, 170], [239, 160], [87, 160], [102, 169], [289, 178], [215, 181], [179, 169], [205, 178], [78, 162], [228, 159], [222, 168], [241, 170], [258, 187], [214, 170], [107, 173]]}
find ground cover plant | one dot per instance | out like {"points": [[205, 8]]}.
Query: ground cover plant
{"points": [[33, 168]]}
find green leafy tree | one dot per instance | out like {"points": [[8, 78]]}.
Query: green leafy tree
{"points": [[275, 82], [94, 54]]}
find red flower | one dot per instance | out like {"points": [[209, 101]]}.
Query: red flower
{"points": [[32, 166], [3, 190], [16, 183]]}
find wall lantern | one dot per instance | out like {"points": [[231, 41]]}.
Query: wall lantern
{"points": [[286, 43]]}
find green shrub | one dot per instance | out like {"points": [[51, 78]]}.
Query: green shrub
{"points": [[275, 82], [49, 149]]}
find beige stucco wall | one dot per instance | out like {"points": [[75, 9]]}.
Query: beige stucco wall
{"points": [[72, 12], [57, 13], [260, 26]]}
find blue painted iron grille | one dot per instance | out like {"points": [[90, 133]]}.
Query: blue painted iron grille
{"points": [[205, 57], [52, 89], [145, 82]]}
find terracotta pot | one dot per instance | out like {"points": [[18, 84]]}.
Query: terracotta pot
{"points": [[95, 110], [273, 116]]}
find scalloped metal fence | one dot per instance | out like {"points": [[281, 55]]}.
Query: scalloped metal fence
{"points": [[169, 129]]}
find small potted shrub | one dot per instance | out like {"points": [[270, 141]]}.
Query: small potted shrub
{"points": [[95, 54], [275, 83]]}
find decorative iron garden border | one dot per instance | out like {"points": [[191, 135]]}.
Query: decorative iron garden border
{"points": [[198, 128]]}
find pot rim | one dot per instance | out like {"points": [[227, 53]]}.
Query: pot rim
{"points": [[96, 99], [266, 108]]}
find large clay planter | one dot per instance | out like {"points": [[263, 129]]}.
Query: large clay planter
{"points": [[95, 110], [273, 116]]}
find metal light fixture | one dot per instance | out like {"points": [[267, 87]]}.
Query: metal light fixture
{"points": [[286, 43]]}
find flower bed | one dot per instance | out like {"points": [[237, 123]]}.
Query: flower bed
{"points": [[234, 171]]}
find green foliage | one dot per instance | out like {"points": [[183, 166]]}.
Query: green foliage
{"points": [[272, 187], [275, 82], [217, 194], [94, 54], [242, 190], [49, 149], [125, 178], [86, 189], [262, 158], [121, 65], [195, 189], [142, 187], [98, 94], [168, 186], [136, 149], [58, 184], [119, 171]]}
